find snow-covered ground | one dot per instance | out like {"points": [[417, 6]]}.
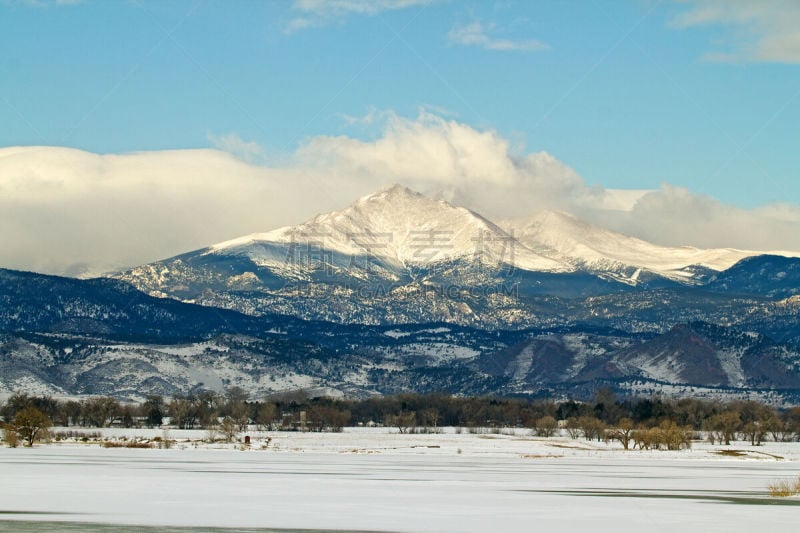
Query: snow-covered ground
{"points": [[379, 480]]}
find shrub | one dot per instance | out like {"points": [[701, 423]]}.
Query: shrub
{"points": [[667, 435], [10, 436], [784, 488], [546, 426], [674, 437]]}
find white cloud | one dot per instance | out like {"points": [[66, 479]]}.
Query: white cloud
{"points": [[249, 151], [478, 34], [373, 116], [321, 12], [360, 7], [766, 31], [62, 208], [676, 216], [448, 159]]}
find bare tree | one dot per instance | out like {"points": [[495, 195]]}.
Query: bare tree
{"points": [[404, 421], [265, 415], [31, 424], [72, 412], [326, 418], [674, 437], [240, 414], [644, 438], [430, 418], [153, 409], [573, 428], [212, 431], [724, 426], [101, 411], [546, 426], [236, 407], [778, 429], [229, 428], [15, 403], [623, 432], [755, 431], [592, 428], [183, 413]]}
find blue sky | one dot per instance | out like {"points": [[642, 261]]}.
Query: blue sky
{"points": [[702, 95], [618, 91]]}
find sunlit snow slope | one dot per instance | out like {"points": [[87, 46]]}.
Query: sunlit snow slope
{"points": [[402, 228], [567, 239]]}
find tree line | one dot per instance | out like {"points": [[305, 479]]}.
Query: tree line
{"points": [[640, 422]]}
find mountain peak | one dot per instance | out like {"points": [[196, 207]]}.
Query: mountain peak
{"points": [[393, 191], [403, 227], [397, 197]]}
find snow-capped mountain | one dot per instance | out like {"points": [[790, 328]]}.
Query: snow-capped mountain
{"points": [[567, 239], [396, 256], [391, 257], [397, 228]]}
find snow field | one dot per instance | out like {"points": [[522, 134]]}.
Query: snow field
{"points": [[374, 479]]}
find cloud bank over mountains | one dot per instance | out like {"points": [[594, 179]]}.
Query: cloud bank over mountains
{"points": [[69, 211]]}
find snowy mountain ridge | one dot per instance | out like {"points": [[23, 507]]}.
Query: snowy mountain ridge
{"points": [[563, 237], [400, 228], [398, 257], [403, 228]]}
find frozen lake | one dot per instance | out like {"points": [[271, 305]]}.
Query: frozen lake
{"points": [[386, 482]]}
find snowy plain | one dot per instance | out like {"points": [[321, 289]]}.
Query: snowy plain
{"points": [[378, 480]]}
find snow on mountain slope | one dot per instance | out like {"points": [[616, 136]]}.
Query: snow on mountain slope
{"points": [[374, 260], [398, 227], [565, 238]]}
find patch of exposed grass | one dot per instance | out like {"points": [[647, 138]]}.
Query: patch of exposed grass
{"points": [[753, 454], [731, 453], [571, 446], [132, 444], [776, 457], [784, 488]]}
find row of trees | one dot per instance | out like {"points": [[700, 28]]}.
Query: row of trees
{"points": [[648, 422], [667, 434]]}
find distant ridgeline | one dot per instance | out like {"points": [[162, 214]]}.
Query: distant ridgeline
{"points": [[62, 336]]}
